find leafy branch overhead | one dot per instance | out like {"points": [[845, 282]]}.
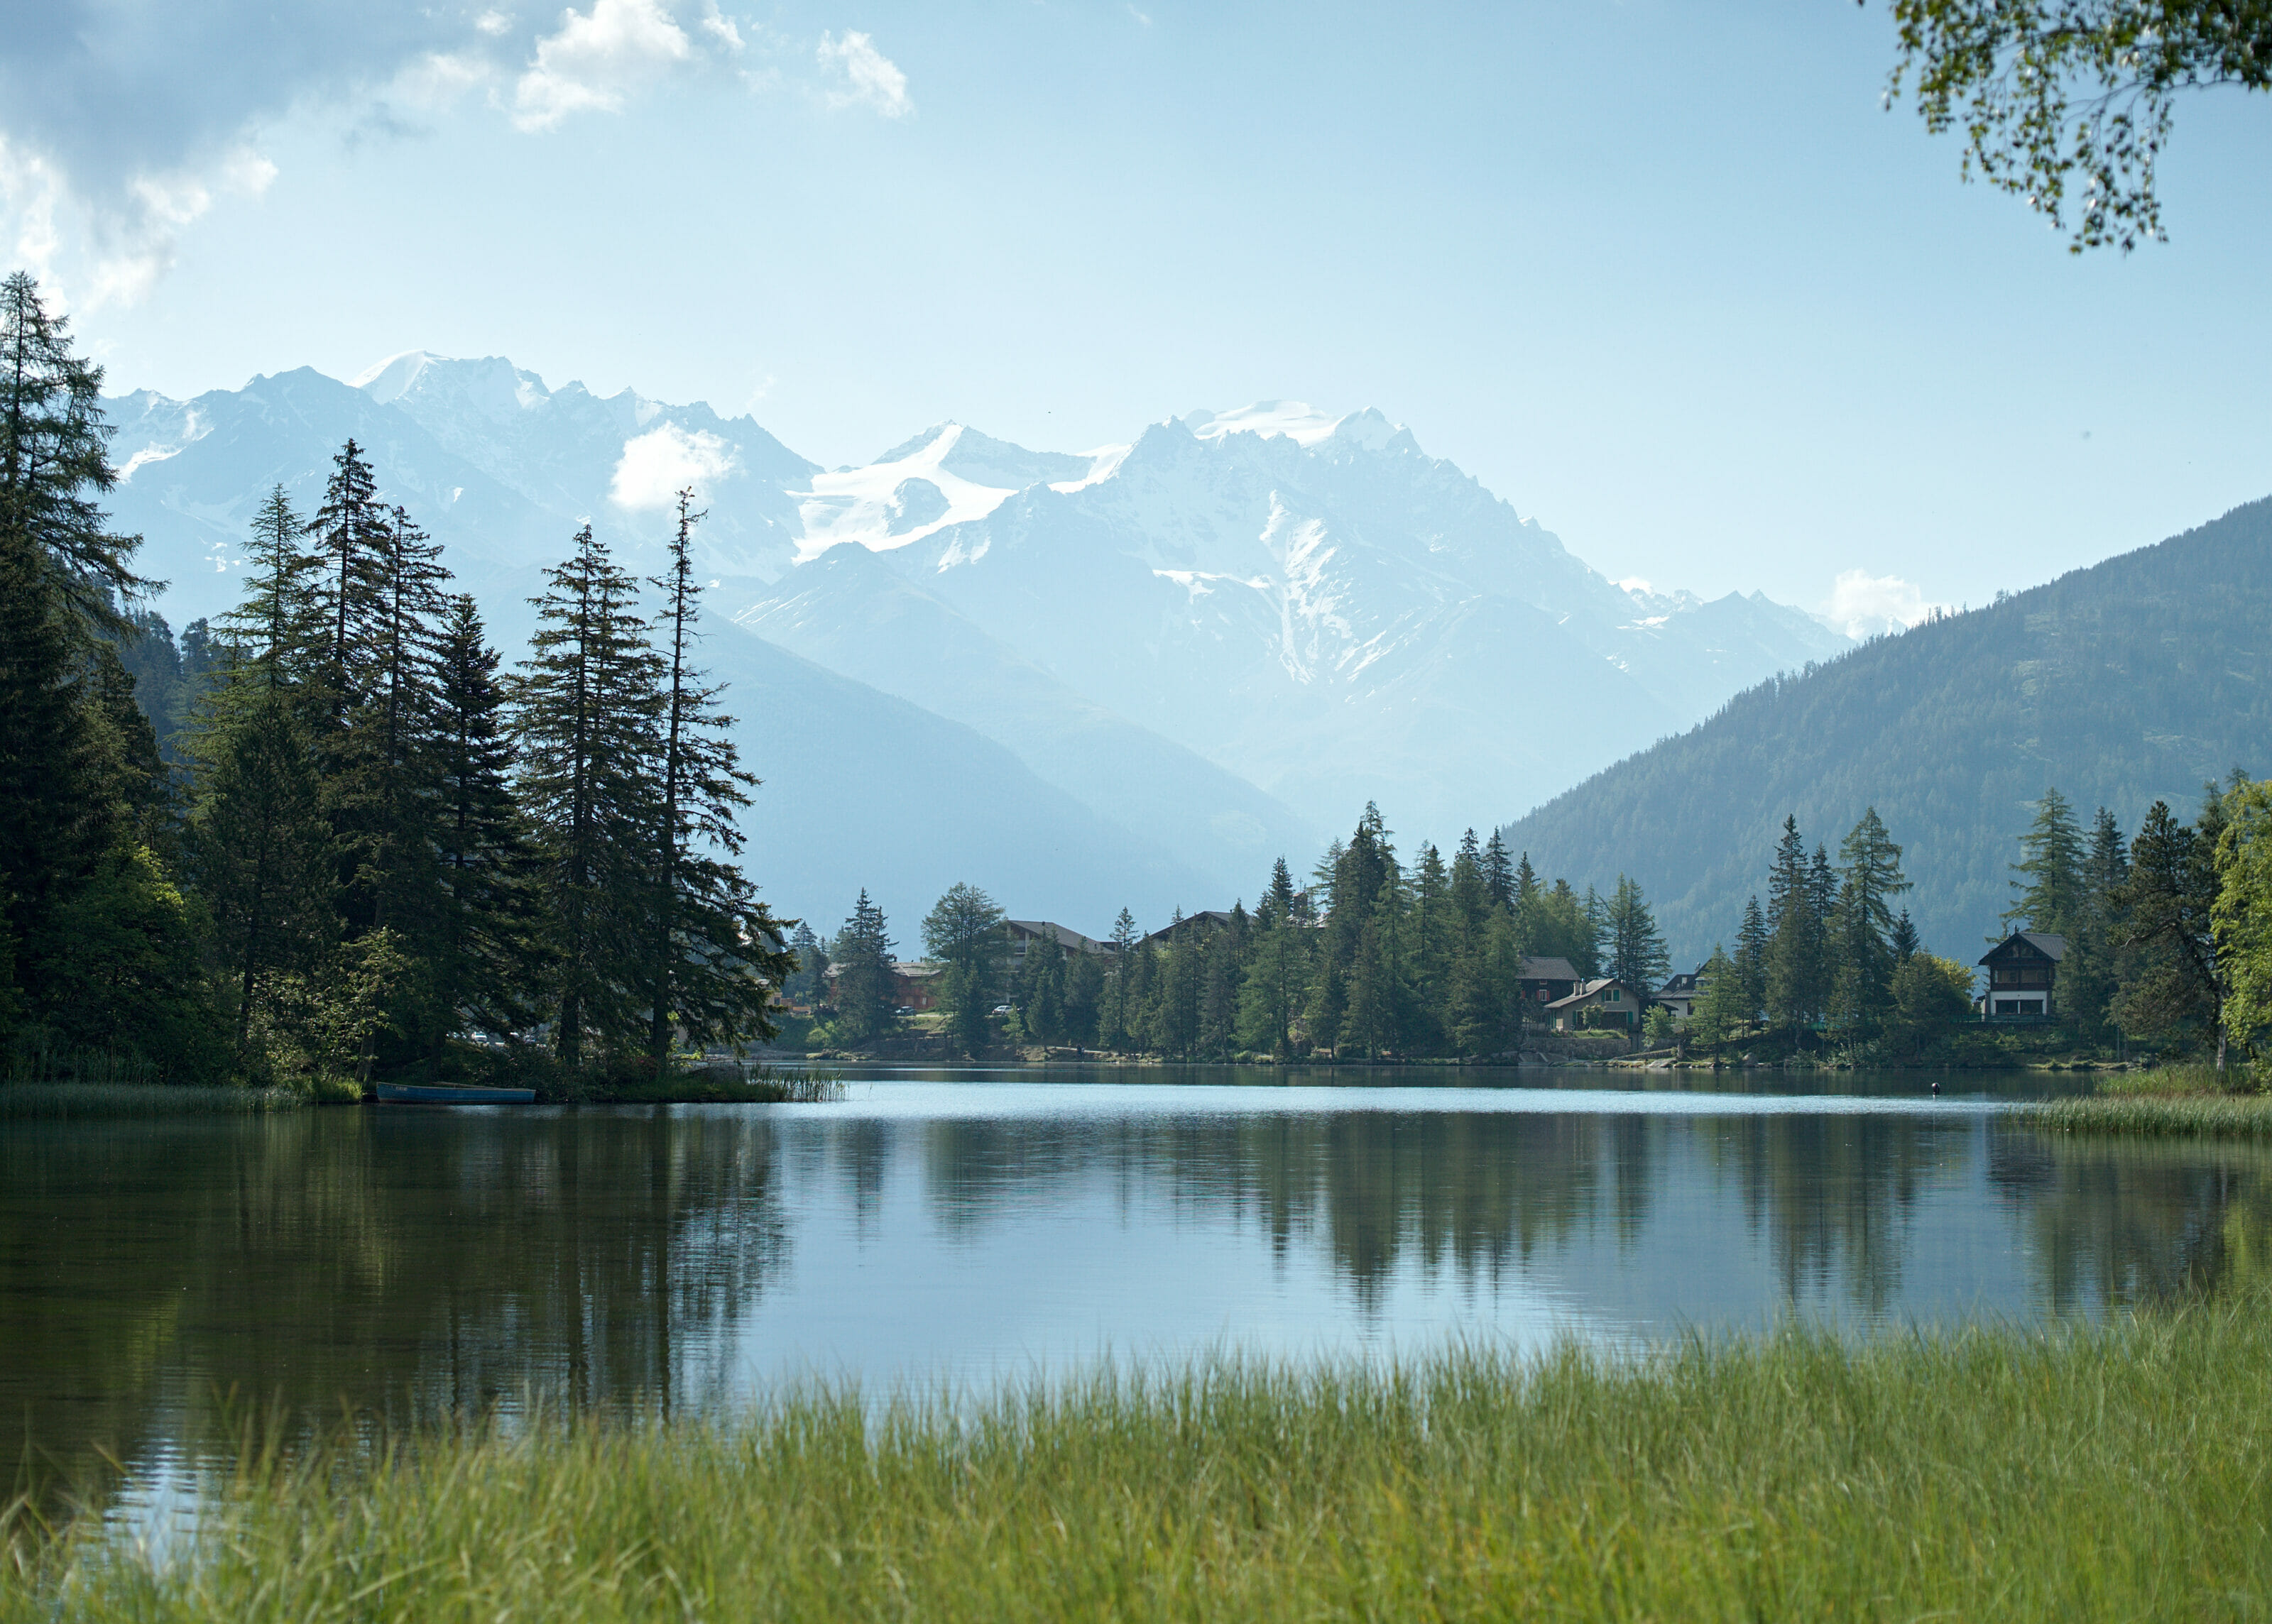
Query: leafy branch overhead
{"points": [[2067, 103]]}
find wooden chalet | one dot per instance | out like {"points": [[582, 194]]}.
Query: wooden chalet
{"points": [[1616, 1006], [2022, 969], [1683, 992], [1545, 979]]}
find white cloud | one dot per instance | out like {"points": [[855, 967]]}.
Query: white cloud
{"points": [[656, 466], [875, 80], [1866, 606], [719, 26], [595, 57], [494, 23]]}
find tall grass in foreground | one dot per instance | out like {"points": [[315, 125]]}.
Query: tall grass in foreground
{"points": [[1989, 1474]]}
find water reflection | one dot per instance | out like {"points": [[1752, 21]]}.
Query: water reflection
{"points": [[402, 1266]]}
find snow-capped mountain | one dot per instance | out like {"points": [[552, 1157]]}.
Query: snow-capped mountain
{"points": [[1220, 640]]}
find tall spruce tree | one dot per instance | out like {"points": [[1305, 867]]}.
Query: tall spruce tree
{"points": [[276, 621], [1796, 946], [1751, 944], [586, 708], [1862, 937], [2093, 969], [2177, 992], [1637, 951], [489, 924], [1500, 874], [2051, 864], [63, 575], [55, 467], [862, 955], [715, 954], [352, 534]]}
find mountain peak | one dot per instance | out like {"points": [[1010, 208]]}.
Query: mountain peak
{"points": [[391, 379]]}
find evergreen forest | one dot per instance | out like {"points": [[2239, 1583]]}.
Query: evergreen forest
{"points": [[337, 838]]}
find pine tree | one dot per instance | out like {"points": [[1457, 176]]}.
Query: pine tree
{"points": [[963, 932], [1596, 913], [1721, 1014], [2168, 900], [715, 952], [1436, 932], [2052, 863], [1795, 955], [1862, 981], [2093, 971], [1499, 877], [586, 715], [61, 569], [1115, 1030], [1752, 940], [863, 953], [55, 469], [489, 910], [1637, 953], [261, 849], [807, 984], [352, 533], [1905, 940], [277, 621]]}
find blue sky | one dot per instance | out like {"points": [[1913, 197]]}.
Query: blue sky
{"points": [[1666, 276]]}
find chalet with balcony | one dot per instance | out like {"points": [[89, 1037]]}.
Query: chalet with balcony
{"points": [[2023, 971]]}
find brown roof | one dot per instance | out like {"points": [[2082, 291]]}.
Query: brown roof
{"points": [[1072, 941]]}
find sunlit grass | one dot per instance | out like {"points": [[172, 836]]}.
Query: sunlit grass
{"points": [[2118, 1472], [2230, 1115]]}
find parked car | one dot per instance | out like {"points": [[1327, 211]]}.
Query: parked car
{"points": [[1005, 1009], [905, 1009]]}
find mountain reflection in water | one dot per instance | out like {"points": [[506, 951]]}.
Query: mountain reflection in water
{"points": [[161, 1280]]}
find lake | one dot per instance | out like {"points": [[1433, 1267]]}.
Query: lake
{"points": [[160, 1280]]}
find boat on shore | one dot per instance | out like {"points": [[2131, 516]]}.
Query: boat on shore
{"points": [[444, 1094]]}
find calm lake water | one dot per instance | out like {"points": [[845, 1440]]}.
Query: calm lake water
{"points": [[157, 1278]]}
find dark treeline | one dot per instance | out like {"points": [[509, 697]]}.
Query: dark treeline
{"points": [[334, 838]]}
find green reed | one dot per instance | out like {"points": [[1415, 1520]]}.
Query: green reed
{"points": [[2111, 1473], [2208, 1115], [116, 1099]]}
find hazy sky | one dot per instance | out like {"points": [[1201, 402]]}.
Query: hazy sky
{"points": [[1666, 276]]}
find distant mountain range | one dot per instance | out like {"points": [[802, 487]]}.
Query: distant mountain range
{"points": [[2134, 681], [1134, 674]]}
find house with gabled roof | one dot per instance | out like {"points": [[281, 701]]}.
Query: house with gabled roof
{"points": [[1602, 1001], [2022, 973], [1024, 934]]}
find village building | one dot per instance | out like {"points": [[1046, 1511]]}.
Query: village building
{"points": [[1024, 934], [1206, 922], [1545, 979], [1601, 1002], [2021, 970], [1683, 992]]}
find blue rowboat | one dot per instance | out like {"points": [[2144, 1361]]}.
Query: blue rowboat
{"points": [[423, 1094]]}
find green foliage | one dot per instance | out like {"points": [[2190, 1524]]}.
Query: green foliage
{"points": [[2241, 917], [1930, 996], [2055, 93], [862, 956], [963, 932]]}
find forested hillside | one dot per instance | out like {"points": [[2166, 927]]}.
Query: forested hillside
{"points": [[2132, 681]]}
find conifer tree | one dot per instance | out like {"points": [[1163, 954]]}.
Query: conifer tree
{"points": [[2169, 900], [715, 953], [2052, 861], [1862, 979], [809, 983], [963, 932], [1795, 955], [1114, 1026], [1904, 938], [1277, 972], [1499, 876], [276, 622], [1637, 953], [586, 713], [489, 910], [863, 954], [353, 533], [261, 849], [55, 469], [1721, 1014], [1752, 940], [1596, 912], [2093, 971]]}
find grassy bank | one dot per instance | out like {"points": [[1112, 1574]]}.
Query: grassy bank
{"points": [[2167, 1102], [1994, 1474], [116, 1099]]}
